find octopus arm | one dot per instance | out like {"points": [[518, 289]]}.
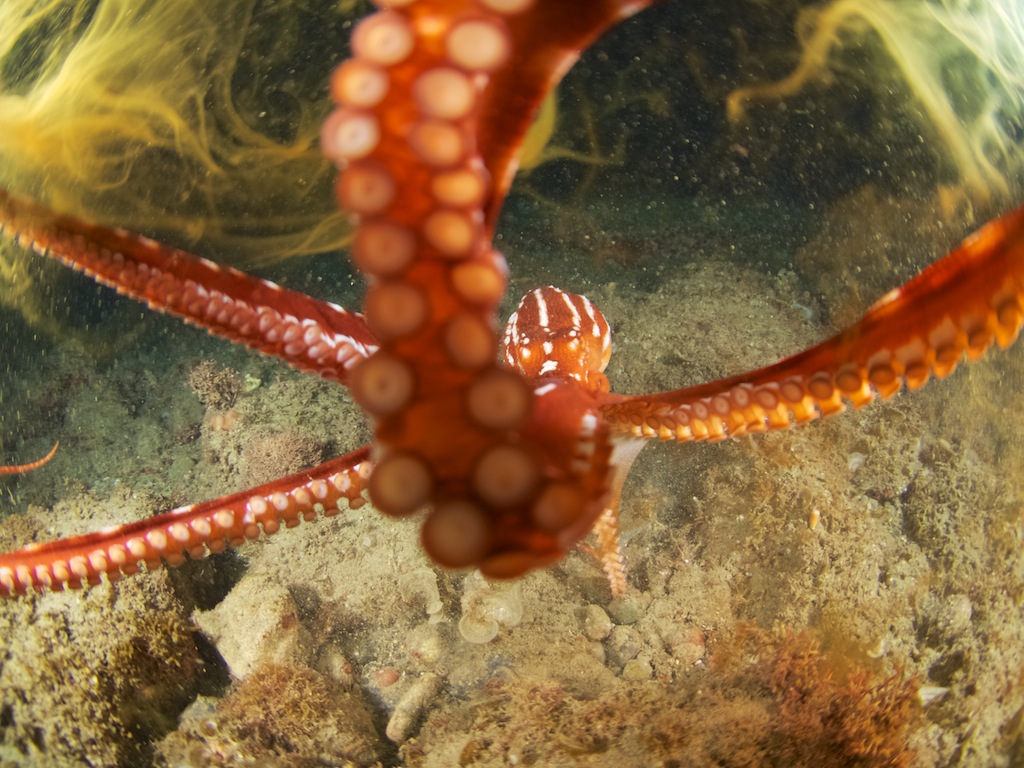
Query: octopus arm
{"points": [[959, 305], [16, 469], [547, 39], [310, 335], [193, 530]]}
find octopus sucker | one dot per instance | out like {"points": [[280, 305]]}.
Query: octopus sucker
{"points": [[383, 384], [401, 484], [444, 93], [359, 83], [452, 233], [457, 533], [478, 45], [505, 475], [469, 341], [385, 38], [438, 143], [396, 308], [367, 188], [498, 400], [383, 248]]}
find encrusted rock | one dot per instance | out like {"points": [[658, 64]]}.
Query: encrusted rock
{"points": [[256, 623], [85, 681], [624, 644], [278, 716]]}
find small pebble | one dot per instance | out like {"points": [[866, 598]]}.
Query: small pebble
{"points": [[879, 649], [637, 670], [956, 613], [930, 693], [386, 677], [596, 624], [687, 644]]}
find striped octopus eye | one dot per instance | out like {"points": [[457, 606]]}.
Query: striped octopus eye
{"points": [[558, 334]]}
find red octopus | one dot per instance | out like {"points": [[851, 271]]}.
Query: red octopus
{"points": [[514, 457]]}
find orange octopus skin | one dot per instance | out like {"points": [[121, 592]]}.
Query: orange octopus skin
{"points": [[514, 459]]}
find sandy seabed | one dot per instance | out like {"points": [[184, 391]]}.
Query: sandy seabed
{"points": [[791, 595]]}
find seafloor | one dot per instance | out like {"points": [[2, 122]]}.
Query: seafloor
{"points": [[846, 593]]}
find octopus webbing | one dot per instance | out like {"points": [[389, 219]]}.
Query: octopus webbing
{"points": [[513, 447]]}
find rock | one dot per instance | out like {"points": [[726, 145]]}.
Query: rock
{"points": [[625, 610], [596, 624], [637, 670], [410, 708], [624, 644], [256, 623]]}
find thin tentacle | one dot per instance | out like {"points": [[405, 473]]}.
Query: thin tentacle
{"points": [[958, 306], [14, 469], [310, 335], [194, 530]]}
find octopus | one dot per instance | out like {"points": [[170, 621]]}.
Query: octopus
{"points": [[17, 469], [511, 447]]}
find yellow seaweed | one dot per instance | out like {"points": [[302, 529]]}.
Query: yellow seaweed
{"points": [[175, 118], [962, 62], [540, 133]]}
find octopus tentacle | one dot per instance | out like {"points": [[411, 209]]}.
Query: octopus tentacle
{"points": [[14, 469], [563, 336], [609, 550], [192, 530], [545, 42], [958, 306], [312, 336], [432, 110]]}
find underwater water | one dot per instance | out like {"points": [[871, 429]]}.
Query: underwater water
{"points": [[847, 593]]}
